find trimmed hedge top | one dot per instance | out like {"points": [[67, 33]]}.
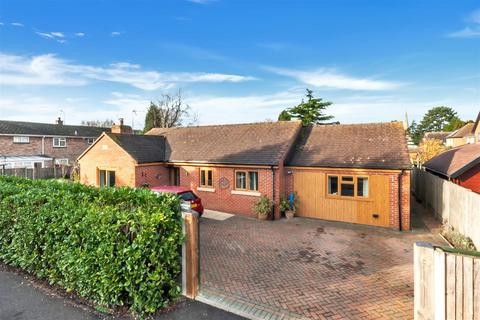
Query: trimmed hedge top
{"points": [[113, 246]]}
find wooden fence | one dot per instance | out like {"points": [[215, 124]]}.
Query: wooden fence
{"points": [[447, 284], [451, 203], [38, 173]]}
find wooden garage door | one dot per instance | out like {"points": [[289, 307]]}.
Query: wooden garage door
{"points": [[314, 203]]}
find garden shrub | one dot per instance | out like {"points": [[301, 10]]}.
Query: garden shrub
{"points": [[113, 246]]}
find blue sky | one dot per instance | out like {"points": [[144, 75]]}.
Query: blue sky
{"points": [[237, 61]]}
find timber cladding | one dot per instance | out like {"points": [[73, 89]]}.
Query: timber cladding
{"points": [[378, 208]]}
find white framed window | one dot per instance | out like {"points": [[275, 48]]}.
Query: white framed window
{"points": [[106, 178], [90, 140], [21, 139], [59, 142], [62, 162]]}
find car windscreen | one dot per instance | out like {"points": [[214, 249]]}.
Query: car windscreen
{"points": [[187, 196]]}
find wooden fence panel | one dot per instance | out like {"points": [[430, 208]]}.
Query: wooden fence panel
{"points": [[454, 290], [38, 173], [450, 203]]}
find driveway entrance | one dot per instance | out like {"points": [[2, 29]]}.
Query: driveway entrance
{"points": [[305, 268]]}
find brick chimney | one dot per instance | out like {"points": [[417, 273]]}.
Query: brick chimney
{"points": [[59, 121], [121, 128]]}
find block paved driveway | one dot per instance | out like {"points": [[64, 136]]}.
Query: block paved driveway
{"points": [[303, 268]]}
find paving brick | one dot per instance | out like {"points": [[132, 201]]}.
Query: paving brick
{"points": [[310, 269]]}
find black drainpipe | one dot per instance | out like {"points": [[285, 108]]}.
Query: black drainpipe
{"points": [[273, 193], [400, 200]]}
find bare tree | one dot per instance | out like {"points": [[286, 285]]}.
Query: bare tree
{"points": [[98, 123], [169, 112]]}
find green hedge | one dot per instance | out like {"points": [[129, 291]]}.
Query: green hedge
{"points": [[113, 246]]}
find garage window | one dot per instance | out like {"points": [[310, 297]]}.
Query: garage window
{"points": [[333, 185], [347, 186], [362, 187]]}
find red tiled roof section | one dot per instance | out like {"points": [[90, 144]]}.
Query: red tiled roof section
{"points": [[376, 145], [251, 144], [453, 162]]}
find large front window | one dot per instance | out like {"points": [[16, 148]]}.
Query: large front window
{"points": [[246, 180], [106, 178], [347, 186]]}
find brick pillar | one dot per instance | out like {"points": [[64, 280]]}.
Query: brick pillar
{"points": [[405, 200]]}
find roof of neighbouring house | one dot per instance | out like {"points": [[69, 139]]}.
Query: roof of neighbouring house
{"points": [[48, 129], [436, 135], [462, 132], [454, 162], [265, 143], [477, 123], [376, 146], [144, 149]]}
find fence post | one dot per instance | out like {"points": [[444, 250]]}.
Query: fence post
{"points": [[190, 255]]}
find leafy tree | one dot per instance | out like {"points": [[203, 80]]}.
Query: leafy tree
{"points": [[169, 112], [98, 123], [454, 125], [284, 116], [429, 149], [151, 117], [309, 112], [436, 119]]}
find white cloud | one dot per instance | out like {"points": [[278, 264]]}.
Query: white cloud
{"points": [[470, 31], [467, 32], [202, 1], [115, 33], [57, 36], [45, 35], [474, 17], [79, 34], [330, 78], [16, 24], [48, 69]]}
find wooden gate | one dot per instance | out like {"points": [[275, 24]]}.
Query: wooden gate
{"points": [[314, 203]]}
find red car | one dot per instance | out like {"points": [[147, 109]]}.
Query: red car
{"points": [[186, 195]]}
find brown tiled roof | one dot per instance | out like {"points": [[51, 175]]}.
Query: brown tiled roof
{"points": [[376, 145], [456, 161], [144, 149], [436, 135], [255, 143], [462, 132]]}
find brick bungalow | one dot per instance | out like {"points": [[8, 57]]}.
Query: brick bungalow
{"points": [[460, 165], [353, 173], [23, 144]]}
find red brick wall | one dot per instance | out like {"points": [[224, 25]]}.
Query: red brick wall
{"points": [[75, 147], [223, 199], [470, 179], [153, 175]]}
